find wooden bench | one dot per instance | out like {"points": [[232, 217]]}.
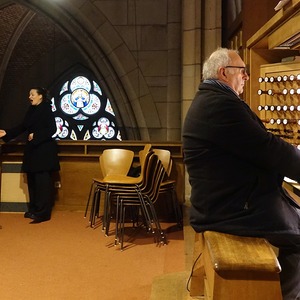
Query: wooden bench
{"points": [[232, 267]]}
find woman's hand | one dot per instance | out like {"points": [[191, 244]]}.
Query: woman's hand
{"points": [[30, 137], [2, 133]]}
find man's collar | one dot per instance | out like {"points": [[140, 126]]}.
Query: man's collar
{"points": [[221, 84]]}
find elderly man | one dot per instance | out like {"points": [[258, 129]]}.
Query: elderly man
{"points": [[236, 168]]}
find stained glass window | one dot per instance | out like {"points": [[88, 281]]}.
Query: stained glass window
{"points": [[83, 112]]}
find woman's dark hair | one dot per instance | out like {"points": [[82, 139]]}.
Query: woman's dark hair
{"points": [[44, 92]]}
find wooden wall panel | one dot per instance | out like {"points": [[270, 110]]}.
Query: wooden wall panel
{"points": [[79, 162]]}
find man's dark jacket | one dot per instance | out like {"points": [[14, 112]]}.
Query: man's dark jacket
{"points": [[236, 168], [40, 154]]}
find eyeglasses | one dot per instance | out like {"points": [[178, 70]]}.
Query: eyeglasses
{"points": [[244, 70]]}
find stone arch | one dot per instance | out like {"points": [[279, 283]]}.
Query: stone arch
{"points": [[109, 57]]}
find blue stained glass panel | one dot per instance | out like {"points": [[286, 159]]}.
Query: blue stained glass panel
{"points": [[80, 82], [84, 112], [97, 88], [108, 107], [64, 88]]}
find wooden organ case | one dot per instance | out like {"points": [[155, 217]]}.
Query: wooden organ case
{"points": [[273, 57]]}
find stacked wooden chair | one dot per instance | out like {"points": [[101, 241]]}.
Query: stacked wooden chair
{"points": [[117, 183], [168, 186], [111, 162], [140, 198], [120, 192]]}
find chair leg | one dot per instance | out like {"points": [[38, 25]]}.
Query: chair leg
{"points": [[118, 220], [135, 216], [177, 208], [145, 212], [95, 206], [92, 189], [123, 212], [161, 238], [92, 211], [108, 213], [98, 201], [106, 200]]}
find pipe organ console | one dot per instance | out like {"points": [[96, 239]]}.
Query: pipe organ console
{"points": [[279, 100]]}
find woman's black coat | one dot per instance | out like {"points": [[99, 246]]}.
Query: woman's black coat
{"points": [[40, 154], [236, 168]]}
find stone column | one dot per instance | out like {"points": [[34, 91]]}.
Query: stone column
{"points": [[201, 34]]}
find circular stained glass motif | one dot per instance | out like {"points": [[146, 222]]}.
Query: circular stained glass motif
{"points": [[80, 81], [67, 105], [110, 133], [80, 98], [62, 131], [93, 106], [103, 129]]}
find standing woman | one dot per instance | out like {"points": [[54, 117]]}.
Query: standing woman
{"points": [[40, 154]]}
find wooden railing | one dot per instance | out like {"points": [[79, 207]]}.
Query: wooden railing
{"points": [[79, 164]]}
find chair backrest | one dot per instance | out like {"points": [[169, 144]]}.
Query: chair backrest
{"points": [[149, 172], [143, 153], [147, 162], [165, 157], [116, 161], [159, 179], [124, 179], [154, 178], [147, 147]]}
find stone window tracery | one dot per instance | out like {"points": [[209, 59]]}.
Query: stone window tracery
{"points": [[83, 112]]}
